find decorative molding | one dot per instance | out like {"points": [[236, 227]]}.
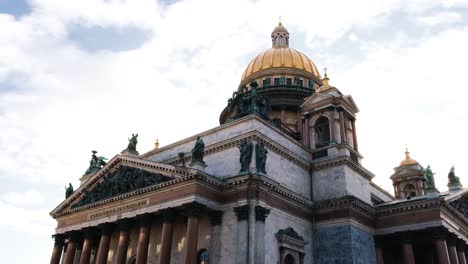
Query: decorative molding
{"points": [[461, 205], [402, 207], [343, 160], [242, 212], [261, 213]]}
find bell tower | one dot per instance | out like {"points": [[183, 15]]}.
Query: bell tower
{"points": [[329, 129], [409, 179]]}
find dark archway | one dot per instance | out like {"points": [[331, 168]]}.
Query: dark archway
{"points": [[289, 259], [322, 129]]}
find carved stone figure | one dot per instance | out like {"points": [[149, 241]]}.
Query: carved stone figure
{"points": [[122, 180], [453, 179], [429, 178], [95, 164], [68, 190], [282, 80], [132, 142], [260, 157], [311, 84], [461, 205], [267, 82], [198, 151], [245, 148]]}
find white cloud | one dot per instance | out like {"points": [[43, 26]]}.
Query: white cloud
{"points": [[24, 198], [440, 18]]}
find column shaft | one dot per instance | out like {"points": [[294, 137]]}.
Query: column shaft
{"points": [[242, 252], [379, 255], [307, 132], [453, 256], [408, 255], [215, 238], [103, 250], [332, 126], [86, 251], [57, 251], [353, 124], [442, 251], [192, 240], [260, 216], [342, 128], [461, 257], [166, 236], [122, 247], [143, 240], [71, 250]]}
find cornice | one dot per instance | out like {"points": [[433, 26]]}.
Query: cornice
{"points": [[231, 183], [343, 160], [405, 206], [345, 201]]}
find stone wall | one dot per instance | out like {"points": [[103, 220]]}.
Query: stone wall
{"points": [[344, 244], [277, 220]]}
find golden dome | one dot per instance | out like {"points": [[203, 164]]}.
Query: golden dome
{"points": [[408, 160], [279, 58]]}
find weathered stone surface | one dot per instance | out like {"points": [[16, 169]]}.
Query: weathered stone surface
{"points": [[344, 244], [278, 220], [339, 181]]}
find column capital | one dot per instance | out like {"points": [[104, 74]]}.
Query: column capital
{"points": [[106, 229], [406, 237], [144, 219], [74, 236], [59, 239], [261, 213], [461, 245], [168, 215], [124, 225], [451, 240], [89, 233], [242, 212], [216, 217], [439, 233], [194, 209]]}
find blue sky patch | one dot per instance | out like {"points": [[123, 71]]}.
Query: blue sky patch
{"points": [[97, 38], [16, 8]]}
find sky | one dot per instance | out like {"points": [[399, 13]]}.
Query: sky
{"points": [[82, 75]]}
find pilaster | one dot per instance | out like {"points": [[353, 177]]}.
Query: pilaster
{"points": [[242, 253], [261, 214]]}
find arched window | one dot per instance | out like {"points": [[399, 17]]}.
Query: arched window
{"points": [[289, 259], [322, 129], [410, 190], [203, 257]]}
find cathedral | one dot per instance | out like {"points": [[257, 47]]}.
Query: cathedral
{"points": [[279, 181]]}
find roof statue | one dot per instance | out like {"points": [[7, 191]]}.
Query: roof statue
{"points": [[68, 190], [260, 157], [430, 179], [198, 151], [132, 142], [95, 164], [454, 181], [245, 149]]}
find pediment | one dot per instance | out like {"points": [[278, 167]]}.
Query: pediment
{"points": [[123, 179], [315, 99], [461, 205], [120, 176]]}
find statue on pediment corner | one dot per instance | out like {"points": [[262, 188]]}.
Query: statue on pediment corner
{"points": [[453, 179], [68, 190], [95, 164], [132, 142]]}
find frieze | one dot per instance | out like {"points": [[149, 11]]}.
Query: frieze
{"points": [[124, 179], [461, 205], [118, 210]]}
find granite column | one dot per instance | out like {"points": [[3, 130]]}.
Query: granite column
{"points": [[122, 246], [461, 252], [260, 216], [452, 249], [87, 247], [242, 213], [194, 211], [104, 242], [440, 243], [216, 218], [168, 216], [71, 248], [58, 248], [143, 239]]}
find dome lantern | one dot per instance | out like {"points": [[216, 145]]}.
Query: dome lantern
{"points": [[280, 36]]}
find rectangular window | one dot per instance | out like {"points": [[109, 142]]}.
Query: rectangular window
{"points": [[277, 81], [288, 81]]}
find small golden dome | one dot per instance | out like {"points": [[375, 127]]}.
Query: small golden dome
{"points": [[279, 58], [408, 160], [279, 28]]}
